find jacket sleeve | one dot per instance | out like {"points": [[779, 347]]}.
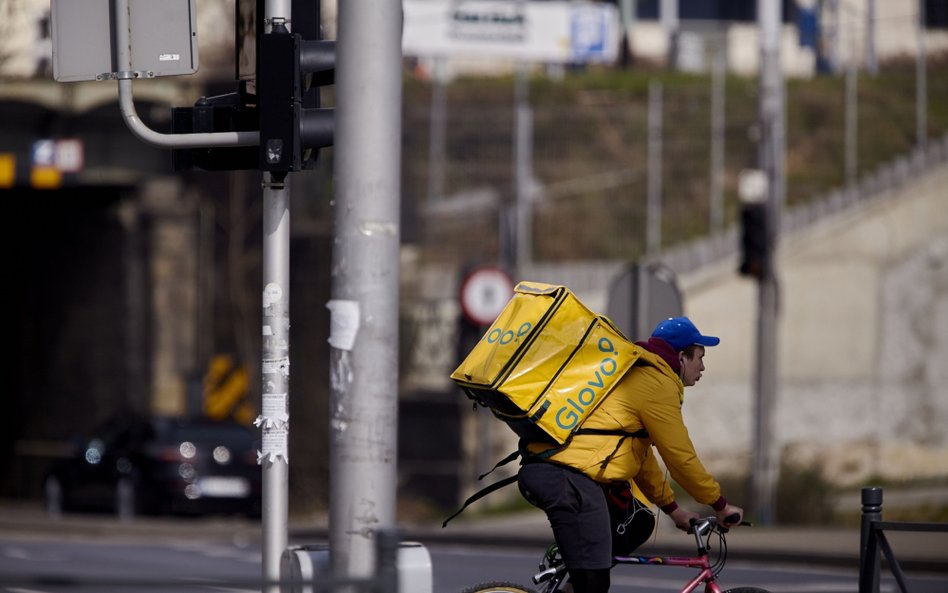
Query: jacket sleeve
{"points": [[666, 426]]}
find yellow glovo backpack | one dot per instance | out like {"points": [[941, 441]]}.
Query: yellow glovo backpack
{"points": [[543, 366]]}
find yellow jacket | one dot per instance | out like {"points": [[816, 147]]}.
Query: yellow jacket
{"points": [[649, 396]]}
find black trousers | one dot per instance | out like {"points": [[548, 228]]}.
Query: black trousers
{"points": [[591, 522]]}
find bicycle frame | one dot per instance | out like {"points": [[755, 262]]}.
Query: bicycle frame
{"points": [[702, 561], [706, 575], [554, 575]]}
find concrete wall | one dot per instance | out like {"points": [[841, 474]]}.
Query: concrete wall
{"points": [[863, 340]]}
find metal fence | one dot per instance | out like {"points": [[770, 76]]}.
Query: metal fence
{"points": [[873, 542]]}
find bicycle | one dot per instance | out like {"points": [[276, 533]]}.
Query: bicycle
{"points": [[553, 574]]}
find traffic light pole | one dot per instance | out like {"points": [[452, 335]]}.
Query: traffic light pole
{"points": [[365, 291], [275, 362], [770, 157], [275, 373]]}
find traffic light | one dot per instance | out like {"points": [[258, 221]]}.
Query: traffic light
{"points": [[292, 124], [755, 256], [223, 113]]}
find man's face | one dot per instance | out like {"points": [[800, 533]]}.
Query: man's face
{"points": [[691, 368]]}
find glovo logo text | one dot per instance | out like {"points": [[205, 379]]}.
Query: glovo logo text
{"points": [[575, 408], [506, 336]]}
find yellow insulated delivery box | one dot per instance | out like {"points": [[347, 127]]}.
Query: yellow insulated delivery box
{"points": [[545, 363]]}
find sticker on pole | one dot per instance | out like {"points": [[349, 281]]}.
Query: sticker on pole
{"points": [[484, 293]]}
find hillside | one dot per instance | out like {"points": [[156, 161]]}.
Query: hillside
{"points": [[590, 152]]}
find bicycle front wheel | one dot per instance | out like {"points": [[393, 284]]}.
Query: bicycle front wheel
{"points": [[498, 587], [747, 590]]}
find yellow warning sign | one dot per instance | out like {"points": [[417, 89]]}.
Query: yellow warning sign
{"points": [[7, 169], [226, 387]]}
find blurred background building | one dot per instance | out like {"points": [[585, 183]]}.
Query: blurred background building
{"points": [[135, 285]]}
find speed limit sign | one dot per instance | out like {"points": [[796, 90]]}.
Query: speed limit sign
{"points": [[484, 294]]}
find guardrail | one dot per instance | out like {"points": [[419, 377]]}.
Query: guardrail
{"points": [[873, 543]]}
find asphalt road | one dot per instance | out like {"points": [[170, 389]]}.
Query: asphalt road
{"points": [[196, 565], [208, 555]]}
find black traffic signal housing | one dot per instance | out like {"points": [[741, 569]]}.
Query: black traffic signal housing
{"points": [[222, 113], [292, 125], [755, 250]]}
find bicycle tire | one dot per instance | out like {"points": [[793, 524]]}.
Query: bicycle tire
{"points": [[498, 587], [747, 590]]}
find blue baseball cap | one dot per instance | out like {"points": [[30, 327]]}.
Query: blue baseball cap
{"points": [[680, 333]]}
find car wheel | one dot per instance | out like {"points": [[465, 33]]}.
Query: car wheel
{"points": [[126, 498], [53, 497]]}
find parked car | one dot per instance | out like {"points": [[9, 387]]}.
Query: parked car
{"points": [[133, 465]]}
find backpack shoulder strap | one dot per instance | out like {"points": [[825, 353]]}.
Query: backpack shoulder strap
{"points": [[521, 453], [639, 434], [622, 434], [503, 461], [491, 488], [480, 494]]}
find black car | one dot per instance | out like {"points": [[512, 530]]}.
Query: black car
{"points": [[133, 465]]}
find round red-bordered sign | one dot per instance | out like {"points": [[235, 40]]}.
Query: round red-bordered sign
{"points": [[484, 294]]}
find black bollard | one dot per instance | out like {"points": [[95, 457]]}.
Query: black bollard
{"points": [[868, 542], [386, 559]]}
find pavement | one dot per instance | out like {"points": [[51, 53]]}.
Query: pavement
{"points": [[830, 546]]}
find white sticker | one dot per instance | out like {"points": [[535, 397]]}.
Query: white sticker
{"points": [[272, 294], [169, 57], [280, 365], [275, 424], [274, 409], [371, 228], [343, 323]]}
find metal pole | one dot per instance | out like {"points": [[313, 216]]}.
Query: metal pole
{"points": [[852, 113], [670, 24], [835, 35], [523, 159], [436, 140], [123, 58], [275, 352], [275, 372], [770, 156], [868, 544], [365, 291], [653, 213], [921, 82], [872, 66], [718, 74], [627, 12]]}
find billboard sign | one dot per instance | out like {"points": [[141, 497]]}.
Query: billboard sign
{"points": [[551, 32]]}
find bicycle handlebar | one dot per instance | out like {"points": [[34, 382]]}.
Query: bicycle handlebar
{"points": [[704, 523]]}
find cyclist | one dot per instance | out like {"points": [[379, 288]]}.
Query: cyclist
{"points": [[613, 448]]}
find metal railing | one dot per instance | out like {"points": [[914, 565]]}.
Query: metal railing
{"points": [[873, 542]]}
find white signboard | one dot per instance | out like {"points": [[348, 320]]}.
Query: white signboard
{"points": [[554, 32], [162, 36]]}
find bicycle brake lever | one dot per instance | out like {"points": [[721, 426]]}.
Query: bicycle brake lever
{"points": [[544, 576]]}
